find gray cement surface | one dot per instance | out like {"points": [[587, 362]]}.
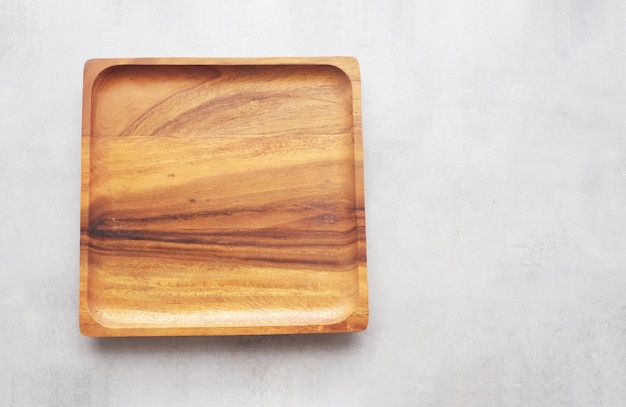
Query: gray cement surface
{"points": [[495, 154]]}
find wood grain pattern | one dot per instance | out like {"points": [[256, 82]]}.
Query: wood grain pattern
{"points": [[222, 196]]}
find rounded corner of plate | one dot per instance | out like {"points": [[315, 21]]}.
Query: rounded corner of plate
{"points": [[96, 69], [353, 61], [94, 66], [349, 66], [357, 322], [87, 325], [92, 315], [364, 323], [89, 64], [85, 329]]}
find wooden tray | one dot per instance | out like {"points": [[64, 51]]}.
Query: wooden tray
{"points": [[222, 197]]}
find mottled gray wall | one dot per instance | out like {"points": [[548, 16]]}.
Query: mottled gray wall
{"points": [[495, 147]]}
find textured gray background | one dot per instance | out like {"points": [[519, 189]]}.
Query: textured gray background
{"points": [[495, 147]]}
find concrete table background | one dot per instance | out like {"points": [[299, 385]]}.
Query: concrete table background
{"points": [[495, 148]]}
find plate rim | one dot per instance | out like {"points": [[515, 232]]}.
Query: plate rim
{"points": [[357, 321]]}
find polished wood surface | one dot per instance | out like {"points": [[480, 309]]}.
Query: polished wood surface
{"points": [[222, 196]]}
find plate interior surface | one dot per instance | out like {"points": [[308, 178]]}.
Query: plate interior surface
{"points": [[221, 196]]}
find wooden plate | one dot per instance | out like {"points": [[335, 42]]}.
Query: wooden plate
{"points": [[222, 197]]}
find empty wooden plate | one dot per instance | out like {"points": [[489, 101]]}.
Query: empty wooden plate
{"points": [[222, 197]]}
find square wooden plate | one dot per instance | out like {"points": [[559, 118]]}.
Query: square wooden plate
{"points": [[222, 197]]}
